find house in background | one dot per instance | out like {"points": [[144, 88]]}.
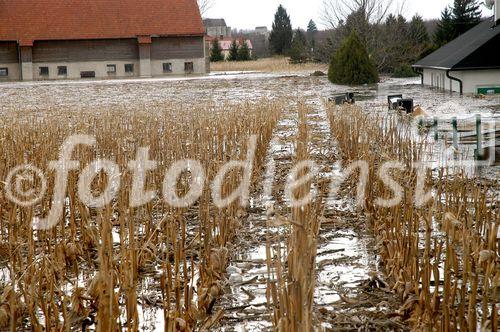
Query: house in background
{"points": [[225, 44], [259, 39], [262, 30], [469, 64], [69, 39], [217, 28]]}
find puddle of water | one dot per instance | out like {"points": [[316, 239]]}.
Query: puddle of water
{"points": [[344, 258]]}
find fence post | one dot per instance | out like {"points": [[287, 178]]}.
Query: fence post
{"points": [[455, 132], [420, 123], [435, 127], [479, 137]]}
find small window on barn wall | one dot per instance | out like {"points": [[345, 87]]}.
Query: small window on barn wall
{"points": [[167, 67], [111, 69], [188, 67], [62, 70], [129, 68], [44, 71], [4, 72], [87, 74]]}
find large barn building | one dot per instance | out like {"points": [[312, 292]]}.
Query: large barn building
{"points": [[70, 39], [469, 64]]}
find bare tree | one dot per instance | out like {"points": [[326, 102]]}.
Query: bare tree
{"points": [[368, 19], [335, 12], [205, 5]]}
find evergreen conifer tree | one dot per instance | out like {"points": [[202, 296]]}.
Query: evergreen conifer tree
{"points": [[244, 52], [280, 39], [233, 52], [216, 51], [299, 52], [445, 31], [418, 31], [457, 20], [466, 14], [351, 64], [312, 29], [419, 38]]}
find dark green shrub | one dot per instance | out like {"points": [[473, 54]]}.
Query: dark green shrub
{"points": [[351, 64], [404, 71]]}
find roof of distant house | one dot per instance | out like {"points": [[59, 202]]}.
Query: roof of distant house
{"points": [[478, 48], [226, 43], [214, 22], [30, 20]]}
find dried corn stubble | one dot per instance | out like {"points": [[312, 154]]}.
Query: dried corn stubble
{"points": [[291, 258], [438, 257], [109, 251]]}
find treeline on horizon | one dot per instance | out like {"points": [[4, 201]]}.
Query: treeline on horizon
{"points": [[390, 43]]}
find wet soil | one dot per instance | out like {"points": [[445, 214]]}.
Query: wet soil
{"points": [[351, 294]]}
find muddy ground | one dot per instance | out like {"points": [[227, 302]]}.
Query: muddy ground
{"points": [[350, 294]]}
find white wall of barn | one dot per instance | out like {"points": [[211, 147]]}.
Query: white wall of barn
{"points": [[75, 68], [177, 66], [100, 68], [472, 80], [31, 71], [13, 69]]}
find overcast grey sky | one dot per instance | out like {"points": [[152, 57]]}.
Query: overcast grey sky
{"points": [[247, 14]]}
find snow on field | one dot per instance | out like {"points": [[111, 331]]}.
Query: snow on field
{"points": [[231, 87], [345, 258]]}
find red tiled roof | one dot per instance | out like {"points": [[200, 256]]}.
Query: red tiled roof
{"points": [[225, 44], [29, 20]]}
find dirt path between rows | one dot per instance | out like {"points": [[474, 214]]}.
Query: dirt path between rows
{"points": [[350, 292]]}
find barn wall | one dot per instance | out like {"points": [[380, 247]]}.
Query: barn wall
{"points": [[8, 52], [13, 69], [177, 48], [177, 66], [95, 55], [9, 59], [74, 69], [86, 50]]}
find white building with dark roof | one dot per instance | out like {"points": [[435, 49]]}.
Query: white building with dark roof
{"points": [[469, 64]]}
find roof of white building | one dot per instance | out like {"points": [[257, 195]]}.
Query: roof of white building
{"points": [[478, 48]]}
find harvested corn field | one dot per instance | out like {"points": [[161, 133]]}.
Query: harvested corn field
{"points": [[190, 218]]}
